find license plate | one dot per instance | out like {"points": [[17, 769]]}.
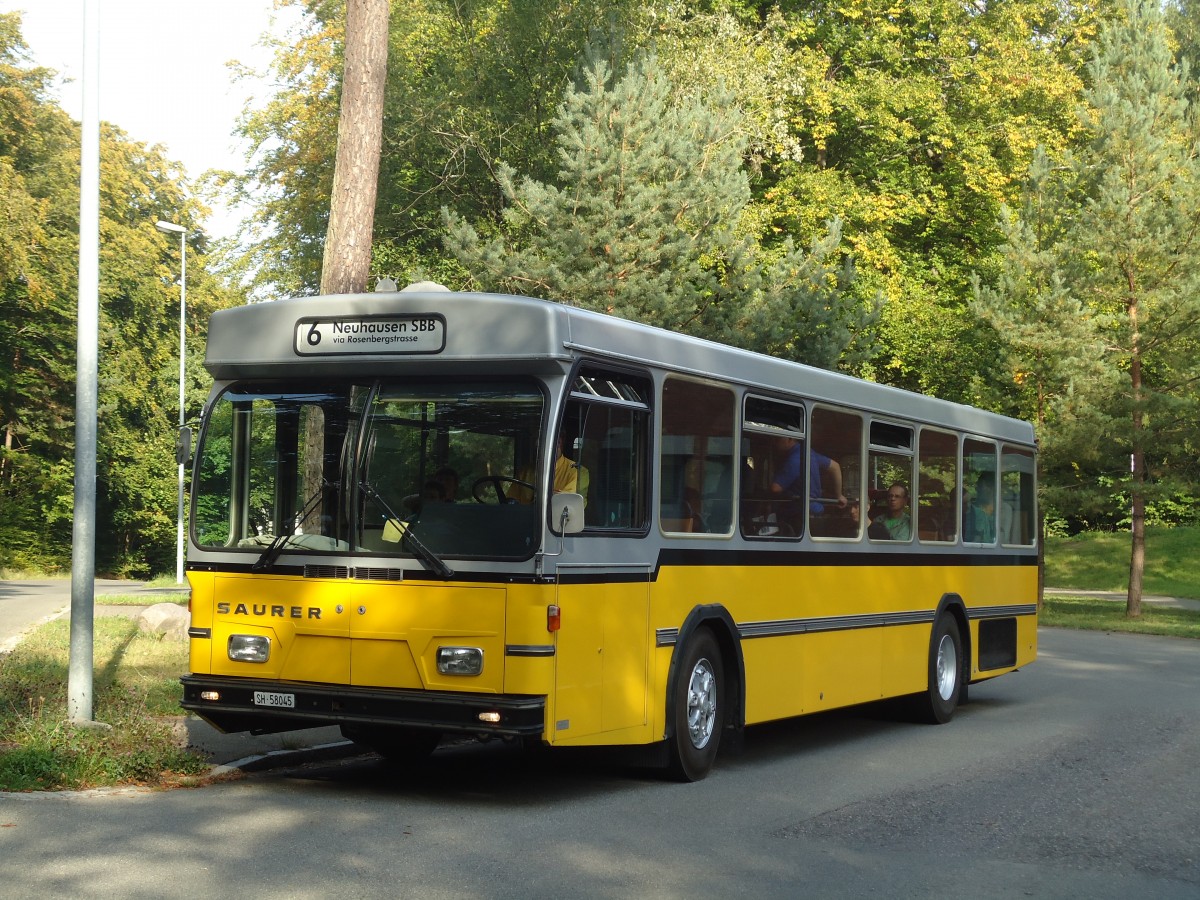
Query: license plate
{"points": [[267, 698]]}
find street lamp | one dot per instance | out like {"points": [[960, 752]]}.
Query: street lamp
{"points": [[172, 228]]}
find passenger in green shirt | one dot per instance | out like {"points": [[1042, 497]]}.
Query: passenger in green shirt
{"points": [[896, 523]]}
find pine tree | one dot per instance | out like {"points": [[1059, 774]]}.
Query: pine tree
{"points": [[646, 223], [1117, 274]]}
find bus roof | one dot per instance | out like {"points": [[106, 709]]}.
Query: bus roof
{"points": [[355, 335]]}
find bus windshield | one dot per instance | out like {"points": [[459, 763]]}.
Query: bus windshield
{"points": [[424, 470]]}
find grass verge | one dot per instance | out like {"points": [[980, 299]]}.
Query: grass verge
{"points": [[1091, 614], [1099, 561], [135, 691], [143, 599]]}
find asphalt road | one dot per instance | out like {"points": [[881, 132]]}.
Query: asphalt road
{"points": [[1076, 777], [26, 603]]}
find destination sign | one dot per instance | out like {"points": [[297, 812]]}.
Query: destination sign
{"points": [[375, 335]]}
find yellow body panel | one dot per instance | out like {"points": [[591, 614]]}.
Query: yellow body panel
{"points": [[602, 660], [309, 635], [200, 610], [525, 623], [778, 659], [841, 668], [834, 661], [904, 659], [397, 628], [812, 637], [346, 632]]}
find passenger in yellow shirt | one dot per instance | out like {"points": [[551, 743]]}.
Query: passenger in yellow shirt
{"points": [[569, 478]]}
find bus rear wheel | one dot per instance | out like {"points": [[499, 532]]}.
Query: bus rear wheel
{"points": [[936, 706], [699, 709]]}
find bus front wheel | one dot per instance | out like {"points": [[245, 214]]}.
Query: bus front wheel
{"points": [[699, 709], [936, 706]]}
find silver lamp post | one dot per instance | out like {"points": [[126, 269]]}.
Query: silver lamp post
{"points": [[172, 228]]}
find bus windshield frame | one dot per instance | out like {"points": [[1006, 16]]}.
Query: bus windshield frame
{"points": [[424, 469]]}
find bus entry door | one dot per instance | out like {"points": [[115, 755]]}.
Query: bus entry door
{"points": [[603, 654]]}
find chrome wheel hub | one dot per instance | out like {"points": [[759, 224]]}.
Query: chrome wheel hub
{"points": [[701, 704], [947, 667]]}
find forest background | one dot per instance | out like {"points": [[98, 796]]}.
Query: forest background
{"points": [[989, 202]]}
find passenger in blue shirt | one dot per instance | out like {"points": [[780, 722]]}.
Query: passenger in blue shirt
{"points": [[789, 479]]}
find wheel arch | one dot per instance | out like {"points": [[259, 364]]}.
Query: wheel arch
{"points": [[715, 618]]}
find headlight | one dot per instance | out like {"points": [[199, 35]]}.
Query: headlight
{"points": [[459, 660], [249, 648]]}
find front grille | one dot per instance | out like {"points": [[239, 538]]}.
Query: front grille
{"points": [[326, 572], [371, 573]]}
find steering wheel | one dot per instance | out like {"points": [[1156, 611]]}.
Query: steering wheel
{"points": [[497, 483]]}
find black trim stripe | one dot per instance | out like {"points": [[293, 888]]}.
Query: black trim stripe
{"points": [[683, 558], [995, 612], [394, 575], [670, 557], [529, 650], [805, 557]]}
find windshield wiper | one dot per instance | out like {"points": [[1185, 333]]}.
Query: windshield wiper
{"points": [[431, 560], [280, 540]]}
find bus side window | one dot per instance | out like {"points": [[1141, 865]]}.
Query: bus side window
{"points": [[1017, 497], [937, 487], [771, 431], [890, 484], [979, 491], [835, 474], [696, 458], [607, 428]]}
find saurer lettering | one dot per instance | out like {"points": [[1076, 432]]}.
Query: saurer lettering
{"points": [[261, 609]]}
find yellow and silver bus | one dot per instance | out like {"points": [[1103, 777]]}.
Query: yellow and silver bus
{"points": [[425, 513]]}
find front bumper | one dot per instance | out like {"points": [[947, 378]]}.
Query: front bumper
{"points": [[317, 705]]}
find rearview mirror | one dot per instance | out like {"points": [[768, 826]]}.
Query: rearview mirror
{"points": [[567, 513], [183, 446]]}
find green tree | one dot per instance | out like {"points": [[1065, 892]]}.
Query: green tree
{"points": [[646, 223], [1120, 260], [467, 84], [291, 141], [36, 316], [914, 123], [139, 362], [139, 308], [909, 123]]}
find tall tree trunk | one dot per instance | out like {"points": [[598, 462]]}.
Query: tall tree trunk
{"points": [[1137, 480], [1137, 556], [346, 263], [347, 259]]}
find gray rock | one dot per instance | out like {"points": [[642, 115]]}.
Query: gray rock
{"points": [[168, 619]]}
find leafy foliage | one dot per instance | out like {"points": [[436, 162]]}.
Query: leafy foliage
{"points": [[646, 223], [899, 136], [139, 314], [1103, 283]]}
